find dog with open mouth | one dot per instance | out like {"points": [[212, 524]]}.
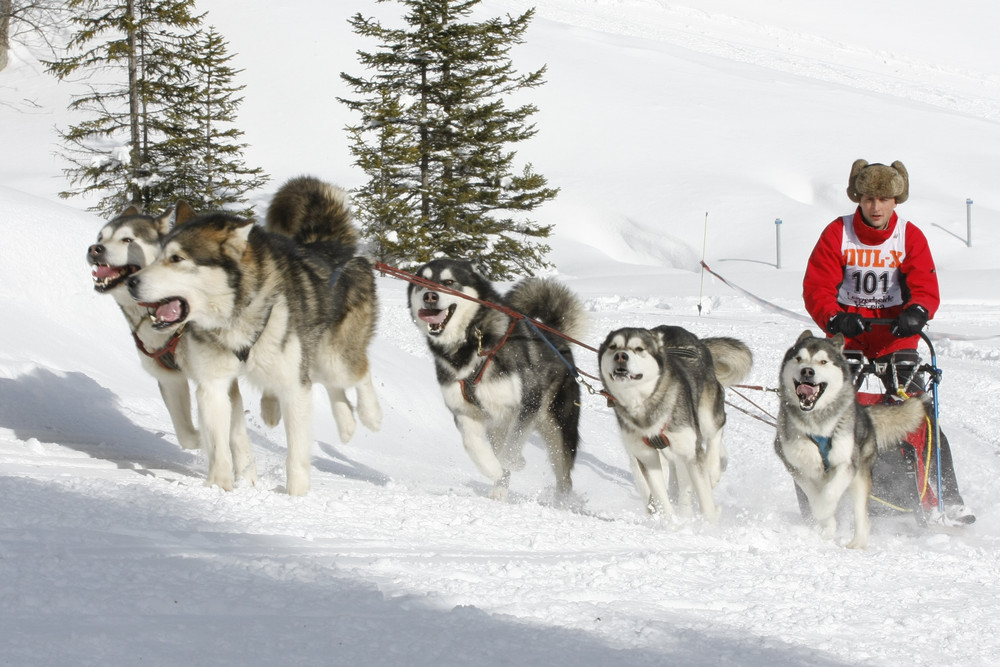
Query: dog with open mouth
{"points": [[124, 246], [826, 439], [667, 390], [502, 378], [286, 305]]}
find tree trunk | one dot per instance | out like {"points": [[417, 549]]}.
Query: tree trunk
{"points": [[133, 105], [5, 11]]}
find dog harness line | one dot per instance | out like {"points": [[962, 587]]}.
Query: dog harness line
{"points": [[823, 445], [165, 355], [658, 441], [489, 354]]}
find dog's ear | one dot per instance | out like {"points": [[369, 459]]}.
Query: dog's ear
{"points": [[239, 235], [178, 215], [805, 334], [838, 342], [182, 212], [131, 210]]}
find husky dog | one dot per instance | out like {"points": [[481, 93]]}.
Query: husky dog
{"points": [[286, 306], [499, 378], [826, 439], [666, 388], [124, 245]]}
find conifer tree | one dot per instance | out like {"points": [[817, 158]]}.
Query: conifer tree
{"points": [[204, 147], [435, 139], [113, 152], [160, 119]]}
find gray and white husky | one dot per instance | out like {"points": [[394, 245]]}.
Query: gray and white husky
{"points": [[666, 386], [826, 439], [499, 378], [286, 306]]}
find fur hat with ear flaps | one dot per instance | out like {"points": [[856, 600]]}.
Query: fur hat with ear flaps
{"points": [[878, 180]]}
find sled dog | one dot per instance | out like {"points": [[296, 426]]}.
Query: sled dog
{"points": [[287, 305], [499, 378], [666, 387], [826, 439], [124, 245]]}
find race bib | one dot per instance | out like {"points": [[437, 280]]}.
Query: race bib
{"points": [[871, 273]]}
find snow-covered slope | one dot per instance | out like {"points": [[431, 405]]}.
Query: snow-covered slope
{"points": [[656, 114]]}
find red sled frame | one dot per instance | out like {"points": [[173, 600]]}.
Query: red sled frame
{"points": [[902, 479]]}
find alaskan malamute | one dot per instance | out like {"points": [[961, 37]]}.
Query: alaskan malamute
{"points": [[126, 244], [666, 386], [286, 306], [826, 439], [499, 378]]}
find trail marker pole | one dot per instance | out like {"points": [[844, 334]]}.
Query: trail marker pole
{"points": [[704, 244], [777, 240], [968, 223]]}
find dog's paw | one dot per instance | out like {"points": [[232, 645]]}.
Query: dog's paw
{"points": [[345, 429], [501, 488], [712, 514], [190, 440], [297, 486], [248, 473], [369, 412], [222, 480]]}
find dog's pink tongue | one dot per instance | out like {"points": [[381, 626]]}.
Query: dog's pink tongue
{"points": [[169, 311], [103, 271], [432, 315], [806, 389]]}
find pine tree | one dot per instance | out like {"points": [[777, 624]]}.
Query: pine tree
{"points": [[161, 122], [114, 151], [435, 137], [205, 151]]}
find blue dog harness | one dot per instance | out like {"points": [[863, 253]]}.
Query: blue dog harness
{"points": [[823, 445]]}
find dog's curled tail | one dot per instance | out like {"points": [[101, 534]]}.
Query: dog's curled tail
{"points": [[895, 421], [310, 210], [731, 359], [551, 303]]}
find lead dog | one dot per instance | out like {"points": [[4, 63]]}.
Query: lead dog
{"points": [[826, 439], [125, 245], [667, 392], [286, 306], [499, 378]]}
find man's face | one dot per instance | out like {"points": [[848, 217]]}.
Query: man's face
{"points": [[877, 211]]}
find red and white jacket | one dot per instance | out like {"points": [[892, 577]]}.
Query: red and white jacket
{"points": [[874, 272]]}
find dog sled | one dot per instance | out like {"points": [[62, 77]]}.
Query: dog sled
{"points": [[906, 479]]}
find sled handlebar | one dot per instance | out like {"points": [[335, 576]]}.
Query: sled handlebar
{"points": [[887, 321]]}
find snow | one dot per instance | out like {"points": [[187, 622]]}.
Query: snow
{"points": [[672, 129]]}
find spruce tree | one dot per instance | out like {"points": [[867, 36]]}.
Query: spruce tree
{"points": [[204, 146], [114, 152], [435, 139], [160, 125]]}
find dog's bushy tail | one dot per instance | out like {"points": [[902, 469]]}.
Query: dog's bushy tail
{"points": [[551, 303], [895, 421], [731, 359], [310, 210]]}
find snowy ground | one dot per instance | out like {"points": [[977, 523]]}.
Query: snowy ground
{"points": [[112, 552]]}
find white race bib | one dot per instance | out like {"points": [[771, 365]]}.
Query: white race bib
{"points": [[871, 273]]}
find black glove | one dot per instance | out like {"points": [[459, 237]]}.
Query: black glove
{"points": [[910, 322], [849, 324]]}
